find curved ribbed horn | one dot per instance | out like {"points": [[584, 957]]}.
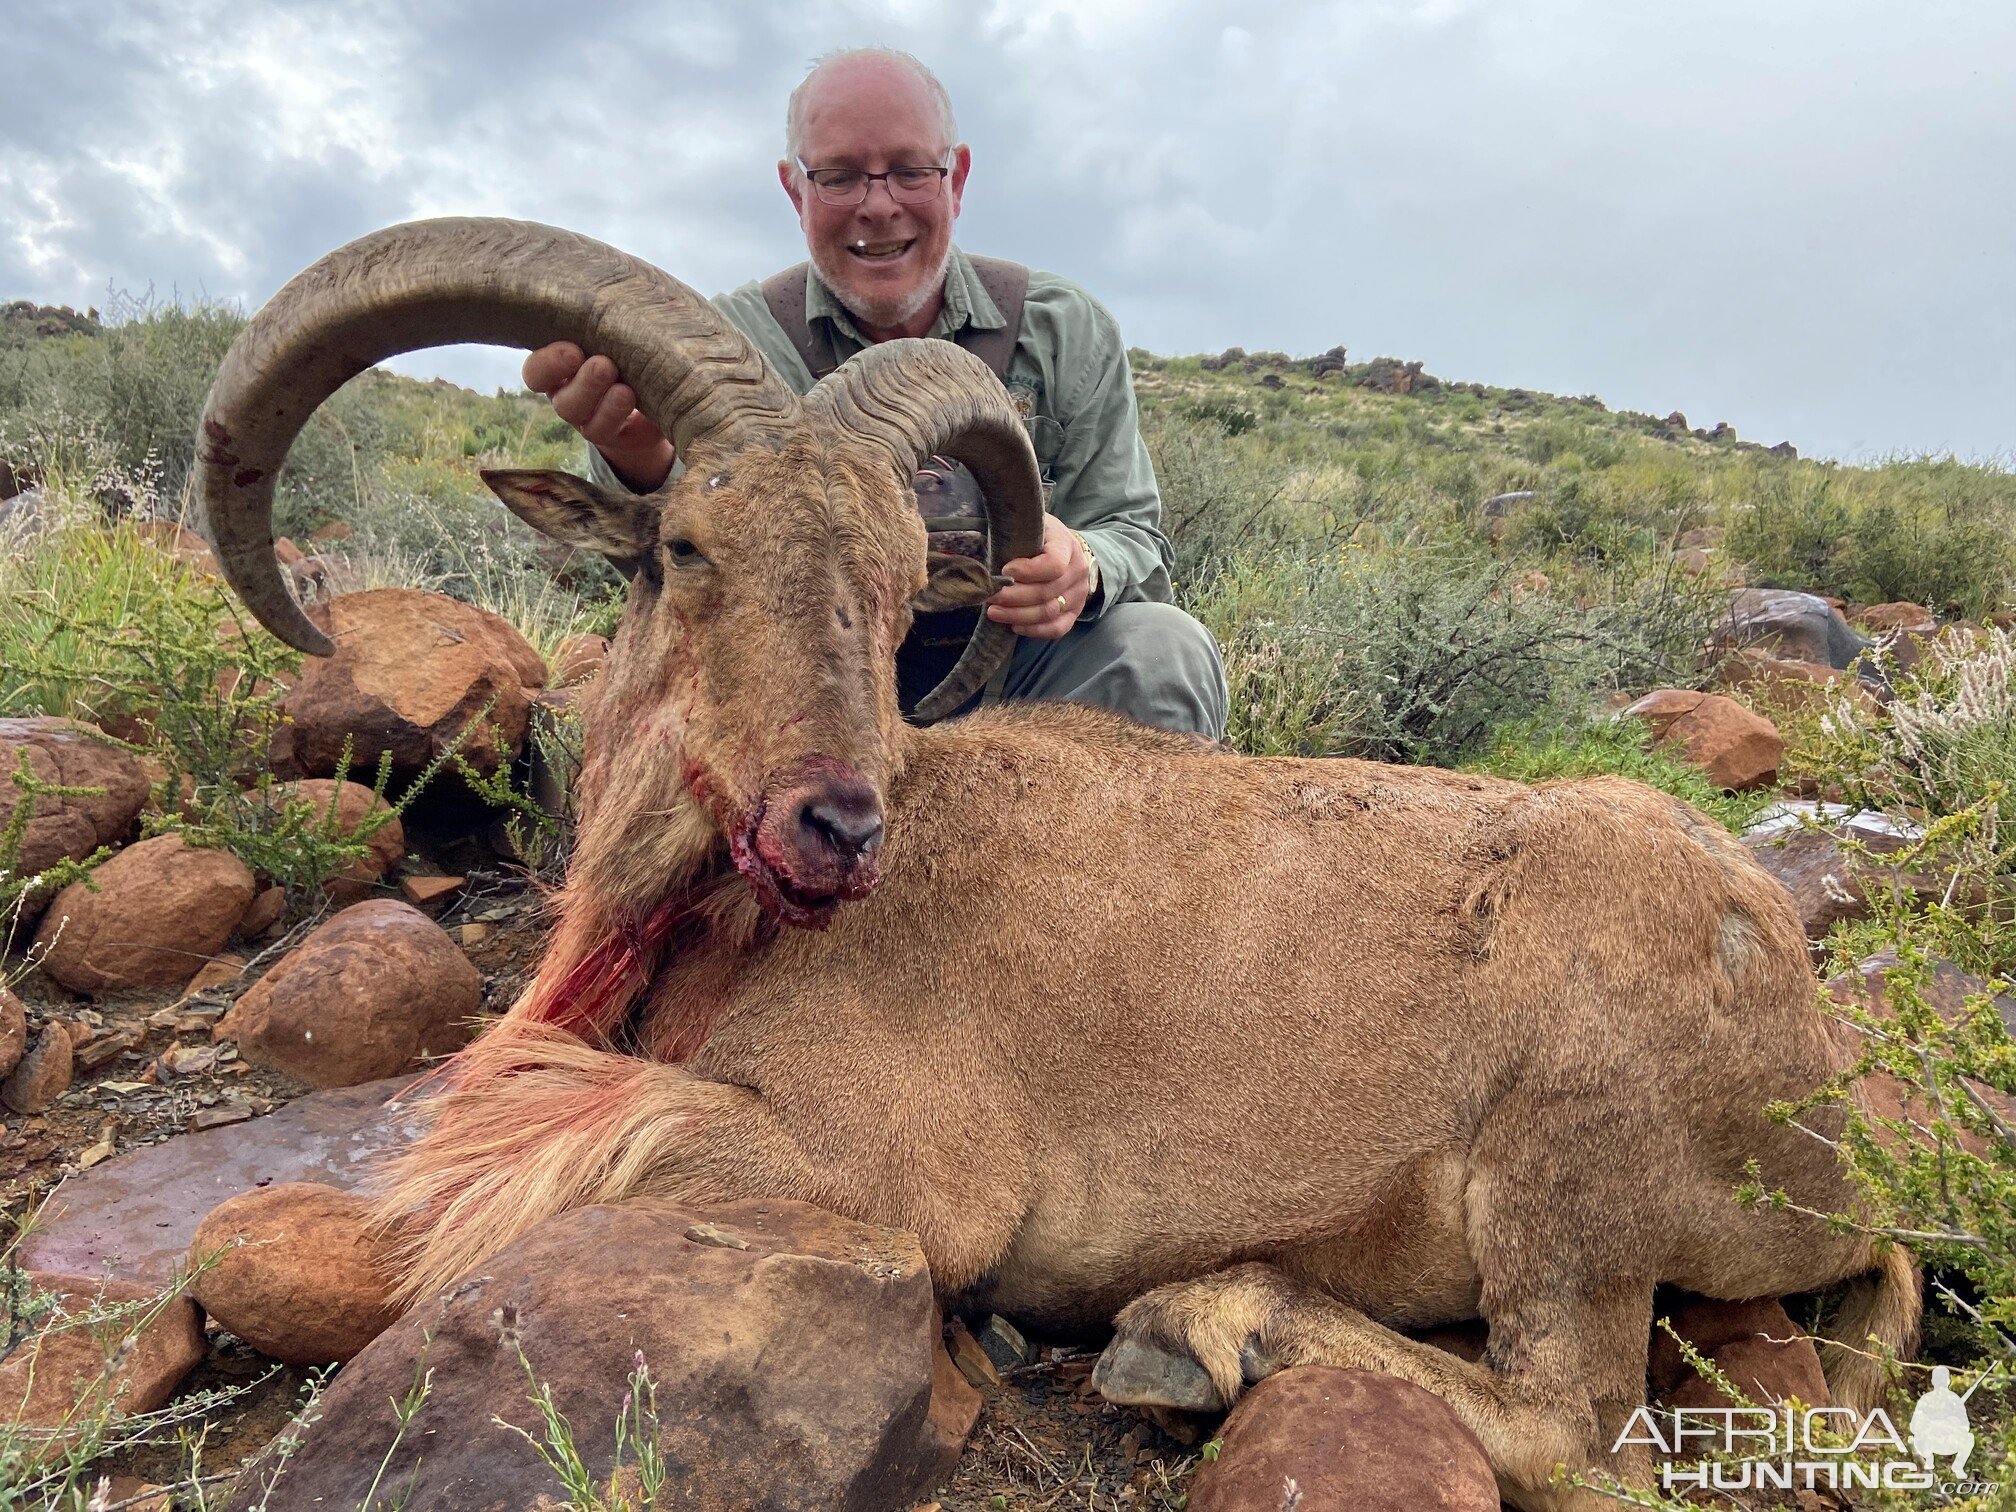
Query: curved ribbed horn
{"points": [[436, 282], [922, 398]]}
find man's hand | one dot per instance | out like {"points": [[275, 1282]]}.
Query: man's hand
{"points": [[1050, 588], [588, 394]]}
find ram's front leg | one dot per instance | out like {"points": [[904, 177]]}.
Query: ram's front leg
{"points": [[534, 1123]]}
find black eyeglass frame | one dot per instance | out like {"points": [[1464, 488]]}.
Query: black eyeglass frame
{"points": [[866, 180]]}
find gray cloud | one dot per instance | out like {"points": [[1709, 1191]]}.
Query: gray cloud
{"points": [[1792, 217]]}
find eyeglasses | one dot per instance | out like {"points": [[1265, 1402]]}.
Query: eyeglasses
{"points": [[849, 186]]}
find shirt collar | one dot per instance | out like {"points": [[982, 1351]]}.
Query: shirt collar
{"points": [[967, 303]]}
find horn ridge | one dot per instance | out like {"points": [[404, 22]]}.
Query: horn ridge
{"points": [[919, 397], [437, 282]]}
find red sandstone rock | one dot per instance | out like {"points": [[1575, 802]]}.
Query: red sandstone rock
{"points": [[301, 1277], [579, 658], [1754, 1344], [353, 804], [794, 1368], [1345, 1439], [1738, 750], [149, 917], [61, 1374], [268, 909], [43, 1074], [13, 1031], [180, 542], [421, 892], [411, 671], [68, 753], [368, 995]]}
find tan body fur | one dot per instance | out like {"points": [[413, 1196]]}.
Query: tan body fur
{"points": [[1432, 1045]]}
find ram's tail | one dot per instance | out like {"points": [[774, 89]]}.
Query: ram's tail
{"points": [[1878, 1317]]}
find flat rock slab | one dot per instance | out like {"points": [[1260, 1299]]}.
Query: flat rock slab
{"points": [[135, 1216]]}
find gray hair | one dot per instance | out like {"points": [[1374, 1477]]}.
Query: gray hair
{"points": [[794, 112]]}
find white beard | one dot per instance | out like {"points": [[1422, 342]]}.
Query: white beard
{"points": [[884, 313]]}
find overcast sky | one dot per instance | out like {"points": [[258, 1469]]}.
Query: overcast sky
{"points": [[1798, 216]]}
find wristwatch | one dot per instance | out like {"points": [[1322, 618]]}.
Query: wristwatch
{"points": [[1091, 561]]}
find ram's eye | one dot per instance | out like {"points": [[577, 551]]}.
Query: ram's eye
{"points": [[683, 553]]}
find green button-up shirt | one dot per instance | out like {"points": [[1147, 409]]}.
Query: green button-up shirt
{"points": [[1068, 377]]}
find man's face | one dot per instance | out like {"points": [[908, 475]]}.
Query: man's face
{"points": [[885, 261]]}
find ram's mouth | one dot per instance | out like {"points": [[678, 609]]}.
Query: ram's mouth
{"points": [[785, 892], [880, 251]]}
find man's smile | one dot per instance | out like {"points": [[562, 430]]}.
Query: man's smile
{"points": [[880, 251]]}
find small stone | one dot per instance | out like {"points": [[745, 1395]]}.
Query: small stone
{"points": [[107, 1048], [473, 934], [188, 1060], [1003, 1343], [105, 1149], [421, 891], [13, 1031], [707, 1233], [217, 1117], [955, 1404], [43, 1074], [221, 972], [267, 910], [129, 1493], [971, 1359]]}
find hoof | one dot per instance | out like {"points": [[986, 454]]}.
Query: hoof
{"points": [[1134, 1374]]}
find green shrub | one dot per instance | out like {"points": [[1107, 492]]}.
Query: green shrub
{"points": [[1530, 751], [1937, 533], [1416, 651], [139, 384]]}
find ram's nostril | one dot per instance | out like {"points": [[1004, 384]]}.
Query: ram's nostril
{"points": [[849, 822]]}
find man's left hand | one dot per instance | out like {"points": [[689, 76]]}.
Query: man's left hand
{"points": [[1050, 588]]}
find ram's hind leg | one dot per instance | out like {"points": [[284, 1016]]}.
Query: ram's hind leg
{"points": [[1547, 1400]]}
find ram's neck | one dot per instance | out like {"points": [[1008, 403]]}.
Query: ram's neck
{"points": [[645, 857]]}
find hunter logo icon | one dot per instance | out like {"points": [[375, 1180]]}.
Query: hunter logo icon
{"points": [[1939, 1422]]}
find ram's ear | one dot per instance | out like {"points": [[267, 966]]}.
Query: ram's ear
{"points": [[954, 582], [575, 512]]}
